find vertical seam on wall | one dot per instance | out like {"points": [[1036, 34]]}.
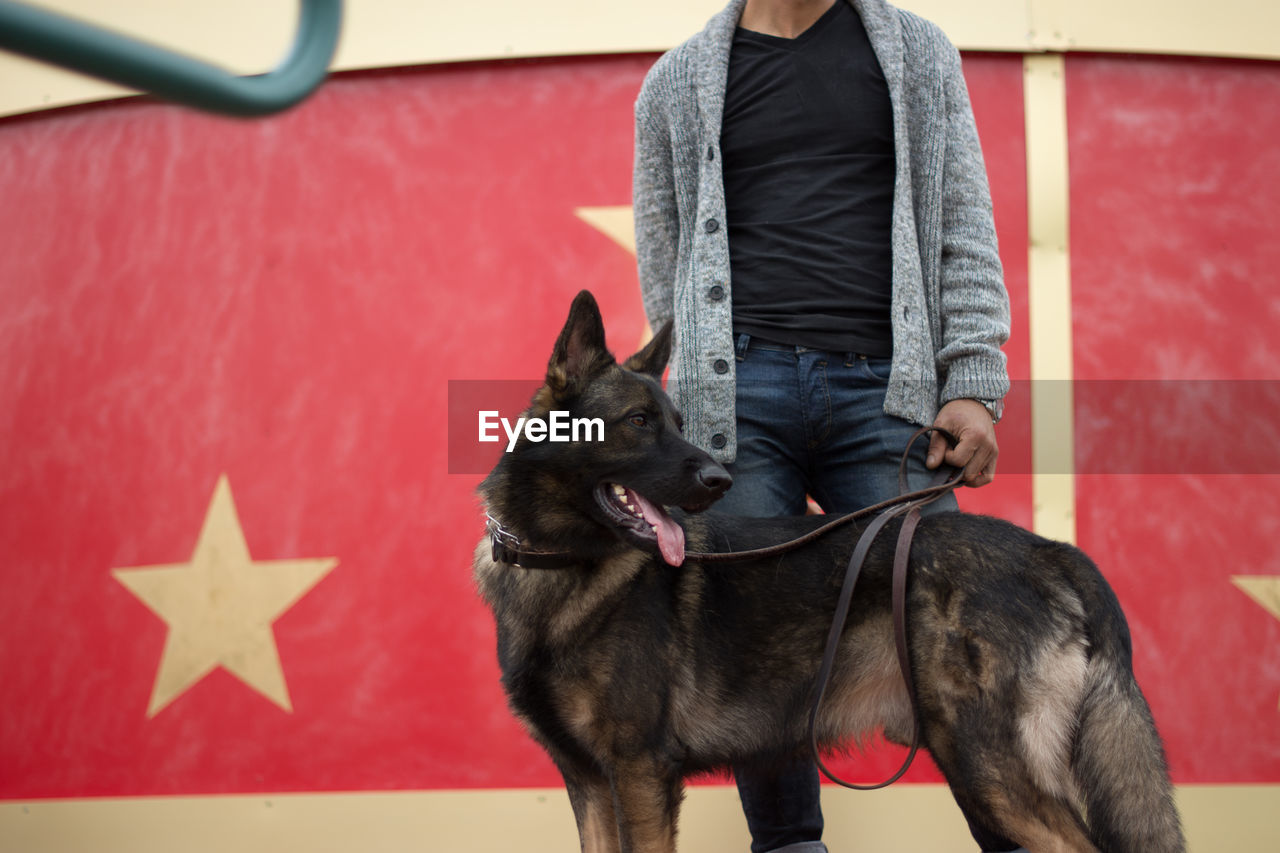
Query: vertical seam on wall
{"points": [[1049, 298]]}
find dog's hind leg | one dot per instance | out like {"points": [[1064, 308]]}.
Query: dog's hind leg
{"points": [[1005, 809], [646, 799], [1120, 764], [1117, 758], [989, 839], [1039, 822], [1000, 784], [592, 801]]}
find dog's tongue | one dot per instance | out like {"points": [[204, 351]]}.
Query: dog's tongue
{"points": [[670, 534]]}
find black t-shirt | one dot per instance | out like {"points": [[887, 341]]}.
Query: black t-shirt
{"points": [[808, 159]]}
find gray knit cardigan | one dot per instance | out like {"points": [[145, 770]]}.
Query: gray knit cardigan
{"points": [[950, 308]]}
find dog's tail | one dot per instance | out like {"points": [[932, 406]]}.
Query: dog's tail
{"points": [[1118, 759]]}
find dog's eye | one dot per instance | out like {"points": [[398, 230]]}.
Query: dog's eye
{"points": [[638, 419]]}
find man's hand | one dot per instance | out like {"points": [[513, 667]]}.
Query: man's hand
{"points": [[975, 450]]}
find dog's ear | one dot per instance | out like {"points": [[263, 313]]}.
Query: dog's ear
{"points": [[580, 353], [652, 359]]}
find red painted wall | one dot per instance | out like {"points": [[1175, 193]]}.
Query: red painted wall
{"points": [[1175, 182], [286, 301]]}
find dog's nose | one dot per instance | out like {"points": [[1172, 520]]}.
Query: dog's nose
{"points": [[715, 479]]}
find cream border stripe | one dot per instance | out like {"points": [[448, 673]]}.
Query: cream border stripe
{"points": [[904, 817], [1049, 298], [250, 36]]}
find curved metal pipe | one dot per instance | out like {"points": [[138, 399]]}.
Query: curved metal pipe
{"points": [[72, 44]]}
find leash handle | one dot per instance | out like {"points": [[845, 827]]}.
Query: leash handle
{"points": [[944, 471]]}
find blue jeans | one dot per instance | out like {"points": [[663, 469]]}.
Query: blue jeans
{"points": [[810, 422]]}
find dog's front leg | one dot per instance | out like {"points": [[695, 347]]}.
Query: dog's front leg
{"points": [[592, 800], [646, 799]]}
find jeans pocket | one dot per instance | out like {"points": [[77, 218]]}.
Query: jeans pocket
{"points": [[877, 368]]}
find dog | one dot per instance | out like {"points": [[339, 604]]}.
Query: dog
{"points": [[635, 667]]}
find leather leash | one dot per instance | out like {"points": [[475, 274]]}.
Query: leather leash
{"points": [[507, 549], [901, 560], [907, 504]]}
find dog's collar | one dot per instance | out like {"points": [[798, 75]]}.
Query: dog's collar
{"points": [[507, 549]]}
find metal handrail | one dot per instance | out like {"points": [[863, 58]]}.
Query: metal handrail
{"points": [[67, 42]]}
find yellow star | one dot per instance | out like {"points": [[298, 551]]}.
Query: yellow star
{"points": [[618, 224], [220, 606], [615, 222], [1263, 589]]}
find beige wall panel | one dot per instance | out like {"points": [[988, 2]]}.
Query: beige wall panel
{"points": [[904, 817], [250, 36], [1243, 28], [980, 24]]}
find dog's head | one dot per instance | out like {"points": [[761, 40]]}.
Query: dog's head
{"points": [[611, 460]]}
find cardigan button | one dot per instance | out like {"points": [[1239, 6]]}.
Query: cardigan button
{"points": [[718, 441], [711, 226], [716, 293]]}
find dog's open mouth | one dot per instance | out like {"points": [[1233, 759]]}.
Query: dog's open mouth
{"points": [[644, 519]]}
